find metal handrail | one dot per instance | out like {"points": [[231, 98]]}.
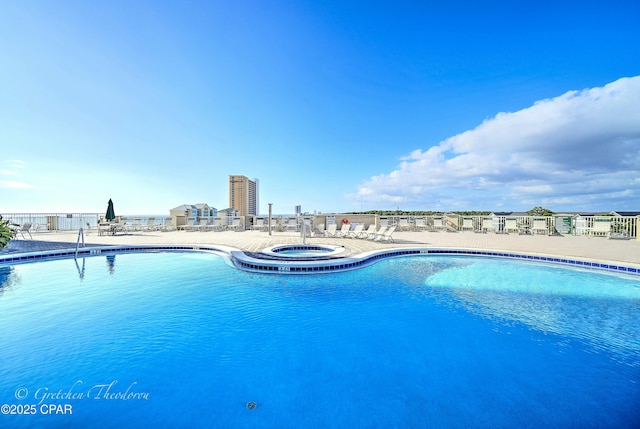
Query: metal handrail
{"points": [[80, 234]]}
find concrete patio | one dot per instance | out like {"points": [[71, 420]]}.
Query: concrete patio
{"points": [[597, 249]]}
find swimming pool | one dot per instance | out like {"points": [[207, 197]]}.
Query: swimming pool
{"points": [[186, 340]]}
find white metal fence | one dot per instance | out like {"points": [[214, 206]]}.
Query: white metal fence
{"points": [[620, 226], [41, 222]]}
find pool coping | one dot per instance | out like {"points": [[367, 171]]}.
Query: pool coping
{"points": [[273, 252], [245, 262]]}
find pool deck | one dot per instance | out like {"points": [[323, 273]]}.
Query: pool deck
{"points": [[597, 249]]}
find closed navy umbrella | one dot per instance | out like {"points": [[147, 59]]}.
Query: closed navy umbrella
{"points": [[111, 215]]}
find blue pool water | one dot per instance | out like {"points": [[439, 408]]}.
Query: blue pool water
{"points": [[184, 340], [312, 252]]}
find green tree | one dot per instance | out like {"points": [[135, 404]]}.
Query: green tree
{"points": [[6, 233], [539, 211]]}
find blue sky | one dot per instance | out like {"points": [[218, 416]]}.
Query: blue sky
{"points": [[337, 106]]}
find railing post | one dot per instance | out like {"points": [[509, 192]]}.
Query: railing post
{"points": [[638, 227]]}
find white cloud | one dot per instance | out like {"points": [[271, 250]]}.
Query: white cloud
{"points": [[12, 184], [14, 168], [578, 151]]}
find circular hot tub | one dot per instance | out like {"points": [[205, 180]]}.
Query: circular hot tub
{"points": [[303, 251]]}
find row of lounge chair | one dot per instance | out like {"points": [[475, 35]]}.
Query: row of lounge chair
{"points": [[420, 224], [290, 224], [509, 226], [489, 224], [384, 233], [217, 224], [539, 226], [121, 226]]}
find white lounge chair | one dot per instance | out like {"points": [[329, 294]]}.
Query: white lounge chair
{"points": [[167, 225], [203, 225], [119, 226], [196, 225], [135, 225], [386, 235], [292, 225], [370, 231], [190, 224], [150, 226], [403, 224], [344, 231], [41, 227], [259, 225], [319, 231], [25, 227], [236, 225], [331, 230], [381, 231], [104, 228], [218, 224], [355, 232]]}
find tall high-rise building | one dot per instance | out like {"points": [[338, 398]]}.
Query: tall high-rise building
{"points": [[243, 195], [257, 182]]}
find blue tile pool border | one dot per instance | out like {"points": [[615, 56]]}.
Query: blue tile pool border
{"points": [[245, 262]]}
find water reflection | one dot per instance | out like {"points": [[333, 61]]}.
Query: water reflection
{"points": [[111, 263], [9, 279], [601, 309], [80, 269]]}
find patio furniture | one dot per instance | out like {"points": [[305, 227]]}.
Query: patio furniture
{"points": [[357, 231], [331, 230], [370, 231], [25, 227], [344, 230], [319, 230], [386, 235]]}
